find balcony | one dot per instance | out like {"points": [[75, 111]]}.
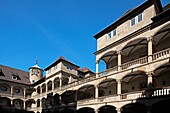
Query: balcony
{"points": [[125, 97]]}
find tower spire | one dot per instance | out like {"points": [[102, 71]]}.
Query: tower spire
{"points": [[36, 62]]}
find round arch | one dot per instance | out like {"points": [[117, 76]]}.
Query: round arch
{"points": [[134, 108], [161, 76], [161, 106], [107, 87], [86, 92], [67, 111], [161, 38], [86, 110], [134, 49], [110, 59], [107, 109], [134, 81]]}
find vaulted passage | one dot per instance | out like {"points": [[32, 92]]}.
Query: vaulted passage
{"points": [[161, 107], [134, 108], [107, 109], [86, 110]]}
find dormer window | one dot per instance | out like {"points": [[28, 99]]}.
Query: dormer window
{"points": [[15, 77], [136, 19], [1, 73], [111, 34]]}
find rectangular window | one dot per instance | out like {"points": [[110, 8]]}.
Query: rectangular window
{"points": [[111, 34], [140, 17], [136, 19], [133, 22], [114, 32]]}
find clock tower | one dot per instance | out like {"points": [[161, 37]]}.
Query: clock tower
{"points": [[35, 73]]}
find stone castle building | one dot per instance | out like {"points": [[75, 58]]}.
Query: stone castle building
{"points": [[136, 52]]}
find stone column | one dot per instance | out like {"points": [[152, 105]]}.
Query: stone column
{"points": [[150, 79], [149, 90], [12, 103], [118, 110], [52, 86], [41, 89], [24, 104], [119, 60], [118, 86], [97, 69], [46, 88], [12, 91], [96, 92], [60, 79], [24, 92], [70, 79], [150, 49], [96, 110]]}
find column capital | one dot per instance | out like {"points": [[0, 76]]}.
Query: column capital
{"points": [[97, 61], [118, 110], [149, 39], [118, 80], [119, 52], [150, 73]]}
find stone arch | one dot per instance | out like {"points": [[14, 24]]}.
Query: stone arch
{"points": [[5, 88], [134, 49], [49, 85], [107, 87], [134, 108], [161, 38], [110, 59], [18, 103], [134, 81], [86, 92], [107, 109], [161, 76], [161, 106], [86, 110]]}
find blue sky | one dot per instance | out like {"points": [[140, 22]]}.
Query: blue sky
{"points": [[48, 29]]}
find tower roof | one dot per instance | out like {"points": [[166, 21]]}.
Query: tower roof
{"points": [[36, 65]]}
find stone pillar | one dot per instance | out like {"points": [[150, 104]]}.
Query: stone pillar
{"points": [[70, 79], [60, 79], [52, 86], [24, 92], [12, 91], [41, 89], [96, 92], [119, 60], [149, 90], [40, 103], [118, 110], [97, 69], [24, 102], [46, 88], [150, 49], [12, 103], [150, 80], [96, 110], [118, 86]]}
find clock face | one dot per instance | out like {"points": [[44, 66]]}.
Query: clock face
{"points": [[35, 72]]}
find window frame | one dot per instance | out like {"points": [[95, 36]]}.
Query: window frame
{"points": [[111, 34], [136, 19]]}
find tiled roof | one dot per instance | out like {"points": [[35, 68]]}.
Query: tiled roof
{"points": [[61, 58], [85, 70], [6, 73]]}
